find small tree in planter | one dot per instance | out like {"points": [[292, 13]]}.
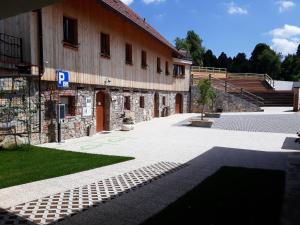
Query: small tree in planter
{"points": [[206, 93]]}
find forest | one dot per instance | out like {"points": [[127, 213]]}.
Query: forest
{"points": [[263, 59]]}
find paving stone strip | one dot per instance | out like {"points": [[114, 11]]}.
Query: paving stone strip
{"points": [[56, 207]]}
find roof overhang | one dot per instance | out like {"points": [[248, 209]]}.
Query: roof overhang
{"points": [[182, 61], [15, 7], [166, 43]]}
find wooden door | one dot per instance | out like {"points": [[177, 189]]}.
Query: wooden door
{"points": [[178, 104], [156, 105], [100, 112]]}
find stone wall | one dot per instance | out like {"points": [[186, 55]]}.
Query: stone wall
{"points": [[224, 101], [78, 125]]}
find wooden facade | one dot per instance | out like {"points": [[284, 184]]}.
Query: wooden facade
{"points": [[85, 64]]}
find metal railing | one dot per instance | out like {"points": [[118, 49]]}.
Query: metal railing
{"points": [[11, 49], [225, 86]]}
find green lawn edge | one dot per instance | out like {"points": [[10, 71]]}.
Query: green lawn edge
{"points": [[29, 163]]}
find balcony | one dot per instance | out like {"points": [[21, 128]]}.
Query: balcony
{"points": [[11, 57]]}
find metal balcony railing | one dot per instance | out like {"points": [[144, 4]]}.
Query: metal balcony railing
{"points": [[11, 49]]}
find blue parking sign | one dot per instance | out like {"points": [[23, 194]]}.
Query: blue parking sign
{"points": [[63, 79]]}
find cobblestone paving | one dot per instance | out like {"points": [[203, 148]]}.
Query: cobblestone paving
{"points": [[58, 206], [289, 124]]}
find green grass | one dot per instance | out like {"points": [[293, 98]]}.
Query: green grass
{"points": [[235, 196], [29, 163]]}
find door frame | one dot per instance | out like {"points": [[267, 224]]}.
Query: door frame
{"points": [[104, 95], [179, 97], [156, 105]]}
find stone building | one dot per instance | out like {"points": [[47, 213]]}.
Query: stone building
{"points": [[102, 61]]}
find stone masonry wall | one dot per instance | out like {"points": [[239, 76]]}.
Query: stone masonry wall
{"points": [[78, 125], [225, 101]]}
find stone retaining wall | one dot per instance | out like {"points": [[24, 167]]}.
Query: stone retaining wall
{"points": [[224, 101]]}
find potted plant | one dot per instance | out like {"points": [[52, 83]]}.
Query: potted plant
{"points": [[128, 123], [205, 91]]}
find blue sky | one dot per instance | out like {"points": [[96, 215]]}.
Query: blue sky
{"points": [[225, 25]]}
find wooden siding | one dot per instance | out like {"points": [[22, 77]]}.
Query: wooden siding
{"points": [[19, 26], [85, 64]]}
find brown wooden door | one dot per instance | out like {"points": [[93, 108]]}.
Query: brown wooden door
{"points": [[178, 106], [100, 112], [156, 105]]}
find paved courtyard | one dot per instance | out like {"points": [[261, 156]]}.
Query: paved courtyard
{"points": [[203, 151]]}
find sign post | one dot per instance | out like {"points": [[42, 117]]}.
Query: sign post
{"points": [[62, 82]]}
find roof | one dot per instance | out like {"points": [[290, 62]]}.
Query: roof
{"points": [[128, 13]]}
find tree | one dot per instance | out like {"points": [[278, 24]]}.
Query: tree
{"points": [[181, 44], [290, 68], [196, 49], [209, 59], [193, 45], [206, 94], [258, 50], [298, 51], [223, 60], [266, 61], [240, 64]]}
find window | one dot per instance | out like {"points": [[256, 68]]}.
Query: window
{"points": [[144, 59], [179, 70], [142, 102], [128, 54], [164, 100], [159, 70], [127, 103], [69, 102], [105, 45], [167, 68], [70, 31]]}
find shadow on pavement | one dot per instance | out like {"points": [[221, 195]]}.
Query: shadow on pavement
{"points": [[290, 144], [138, 206]]}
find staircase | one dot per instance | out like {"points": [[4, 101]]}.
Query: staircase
{"points": [[256, 88], [277, 98], [262, 86]]}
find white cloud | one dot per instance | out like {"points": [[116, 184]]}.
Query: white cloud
{"points": [[127, 2], [285, 5], [284, 46], [235, 9], [287, 31], [152, 1], [285, 39]]}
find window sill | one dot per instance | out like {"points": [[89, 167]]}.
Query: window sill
{"points": [[70, 45], [105, 56], [129, 63]]}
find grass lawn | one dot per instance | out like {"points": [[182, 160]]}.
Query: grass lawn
{"points": [[235, 196], [29, 163]]}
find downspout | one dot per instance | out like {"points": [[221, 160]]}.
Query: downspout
{"points": [[41, 63]]}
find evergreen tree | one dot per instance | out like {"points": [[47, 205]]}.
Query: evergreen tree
{"points": [[209, 59], [240, 64], [223, 60]]}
